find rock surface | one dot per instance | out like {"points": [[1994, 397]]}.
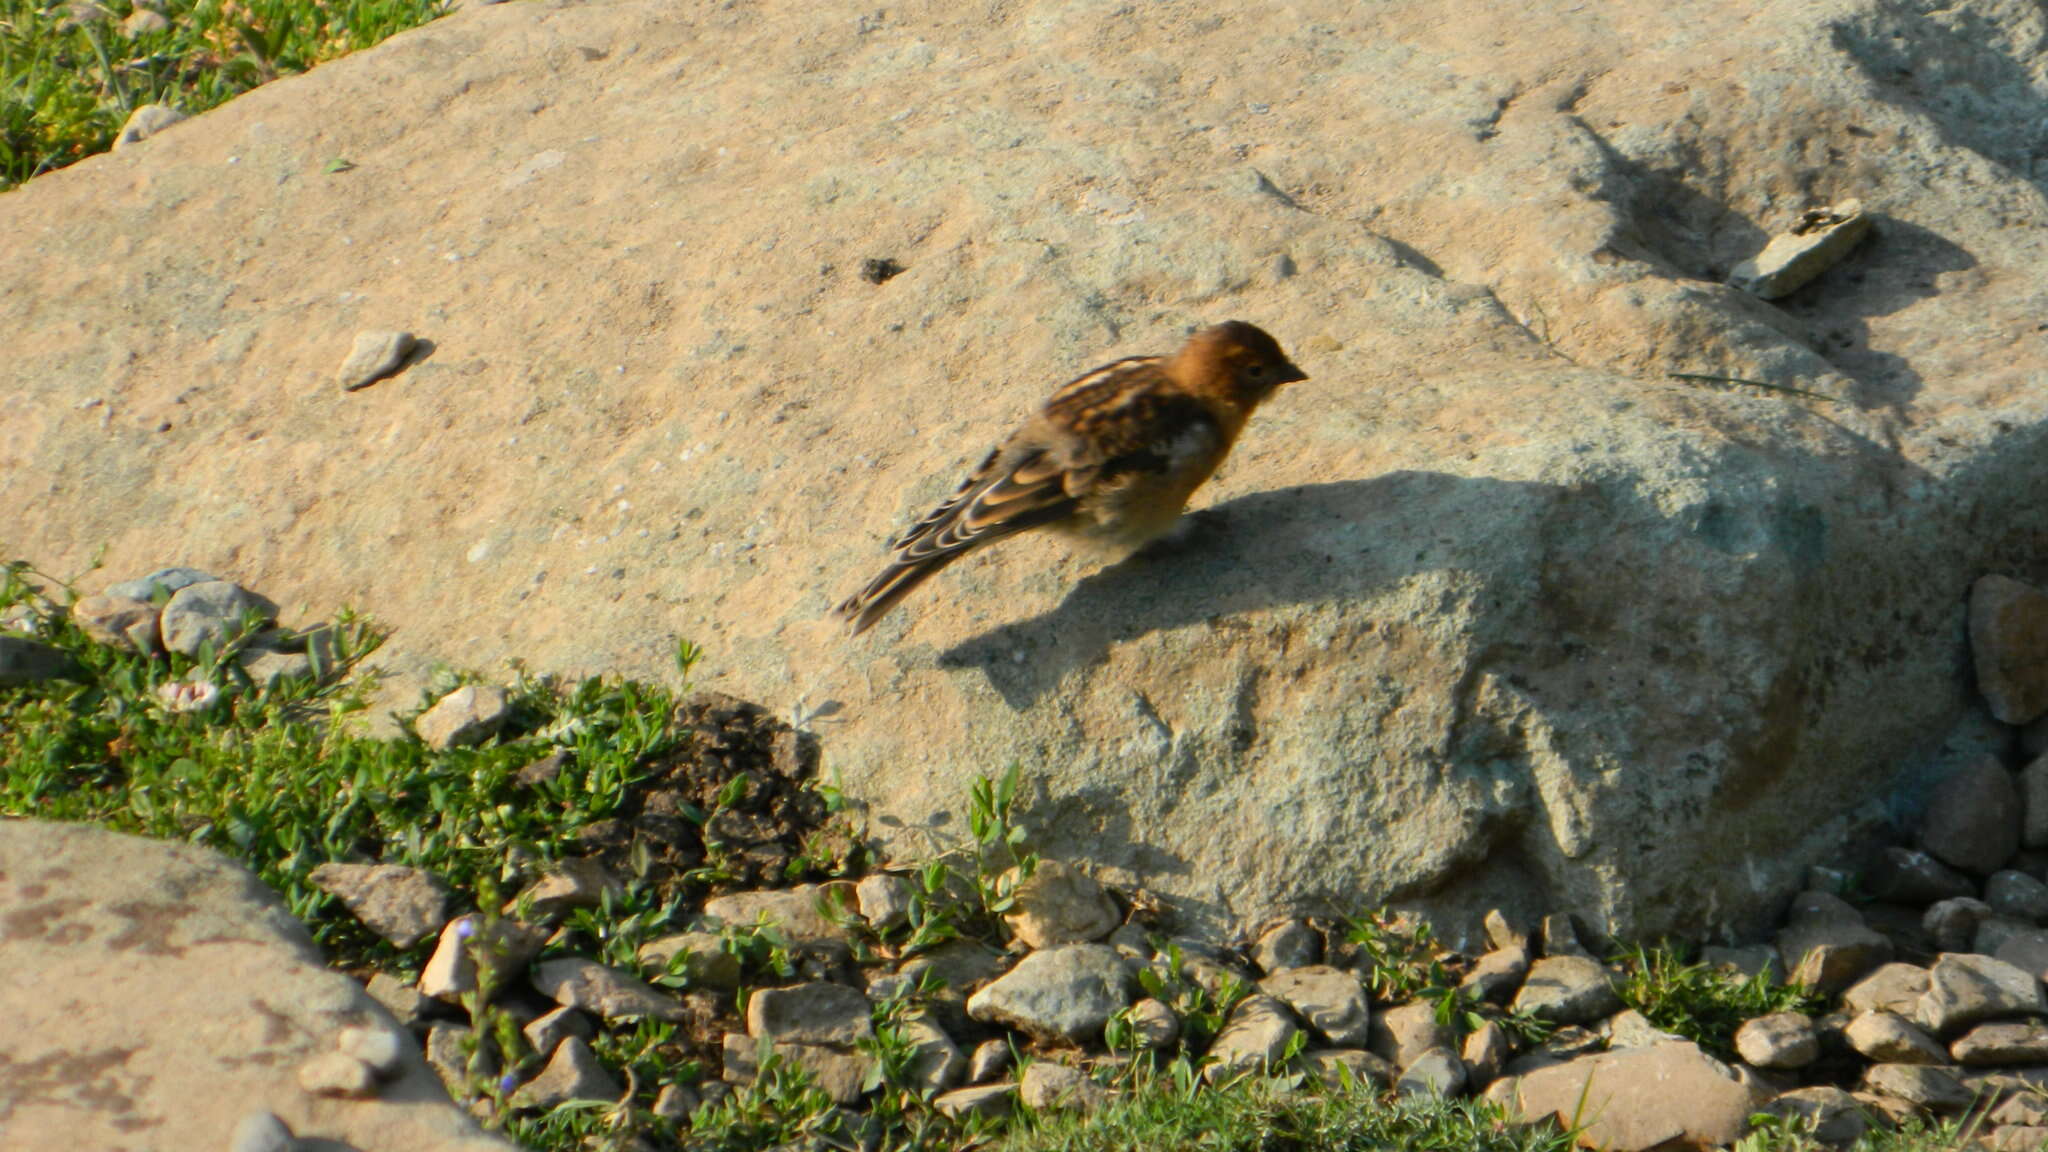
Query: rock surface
{"points": [[1490, 251], [1568, 990], [403, 905], [1329, 1000], [1067, 992], [122, 951], [2009, 641], [1666, 1096]]}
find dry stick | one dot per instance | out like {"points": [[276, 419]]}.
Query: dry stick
{"points": [[1786, 388]]}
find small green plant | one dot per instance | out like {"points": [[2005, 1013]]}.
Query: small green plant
{"points": [[1200, 995], [1002, 863], [1699, 1002]]}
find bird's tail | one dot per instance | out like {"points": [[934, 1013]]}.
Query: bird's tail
{"points": [[898, 580]]}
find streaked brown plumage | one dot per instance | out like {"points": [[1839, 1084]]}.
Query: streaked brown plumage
{"points": [[1113, 454]]}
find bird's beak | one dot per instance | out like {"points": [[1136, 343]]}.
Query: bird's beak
{"points": [[1289, 374]]}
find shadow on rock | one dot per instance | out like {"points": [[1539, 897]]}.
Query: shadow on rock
{"points": [[1309, 544], [1898, 265]]}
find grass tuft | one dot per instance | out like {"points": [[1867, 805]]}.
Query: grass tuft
{"points": [[70, 73]]}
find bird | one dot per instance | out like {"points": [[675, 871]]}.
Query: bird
{"points": [[1112, 457]]}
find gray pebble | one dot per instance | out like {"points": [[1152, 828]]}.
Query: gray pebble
{"points": [[261, 1132], [376, 354]]}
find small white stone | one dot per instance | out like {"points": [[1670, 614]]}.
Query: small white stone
{"points": [[380, 1048], [337, 1074]]}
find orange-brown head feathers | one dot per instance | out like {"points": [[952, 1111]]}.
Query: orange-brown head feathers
{"points": [[1233, 361]]}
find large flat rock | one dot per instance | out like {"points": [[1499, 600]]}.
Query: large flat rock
{"points": [[1492, 610], [155, 994]]}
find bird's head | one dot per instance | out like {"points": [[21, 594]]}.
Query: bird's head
{"points": [[1235, 361]]}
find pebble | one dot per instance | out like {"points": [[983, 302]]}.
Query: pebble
{"points": [[1568, 989], [1058, 904], [2009, 644], [1952, 923], [1792, 259], [547, 1031], [212, 612], [376, 354], [572, 1073], [402, 1000], [990, 1058], [2006, 1042], [814, 1013], [1895, 987], [260, 1132], [2018, 895], [699, 956], [1503, 933], [1909, 876], [1498, 975], [1335, 1066], [1068, 992], [1963, 989], [884, 900], [338, 1074], [1050, 1087], [1329, 999], [1779, 1040], [936, 1063], [1561, 937], [607, 993], [991, 1100], [1437, 1072], [1890, 1039], [164, 580], [1972, 819], [1153, 1025], [1288, 944], [403, 905], [1254, 1037], [145, 122], [675, 1102], [1921, 1085], [575, 882], [118, 622], [382, 1049], [796, 911], [1831, 1116], [467, 716], [1826, 945], [144, 22]]}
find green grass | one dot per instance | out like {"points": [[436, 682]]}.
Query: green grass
{"points": [[1258, 1114], [1699, 1003], [67, 84], [281, 778]]}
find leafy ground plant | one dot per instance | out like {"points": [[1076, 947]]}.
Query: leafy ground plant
{"points": [[1699, 1002], [1257, 1114], [70, 73]]}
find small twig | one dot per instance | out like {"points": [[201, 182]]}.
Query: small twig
{"points": [[1691, 377]]}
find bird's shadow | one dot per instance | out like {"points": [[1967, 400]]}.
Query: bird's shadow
{"points": [[1307, 544]]}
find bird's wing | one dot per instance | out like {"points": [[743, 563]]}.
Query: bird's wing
{"points": [[1113, 421], [1102, 428]]}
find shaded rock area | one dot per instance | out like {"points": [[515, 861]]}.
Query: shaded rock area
{"points": [[1525, 599]]}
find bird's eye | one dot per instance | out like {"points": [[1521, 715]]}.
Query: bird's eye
{"points": [[1256, 372]]}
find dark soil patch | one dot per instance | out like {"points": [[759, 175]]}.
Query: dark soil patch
{"points": [[775, 829]]}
